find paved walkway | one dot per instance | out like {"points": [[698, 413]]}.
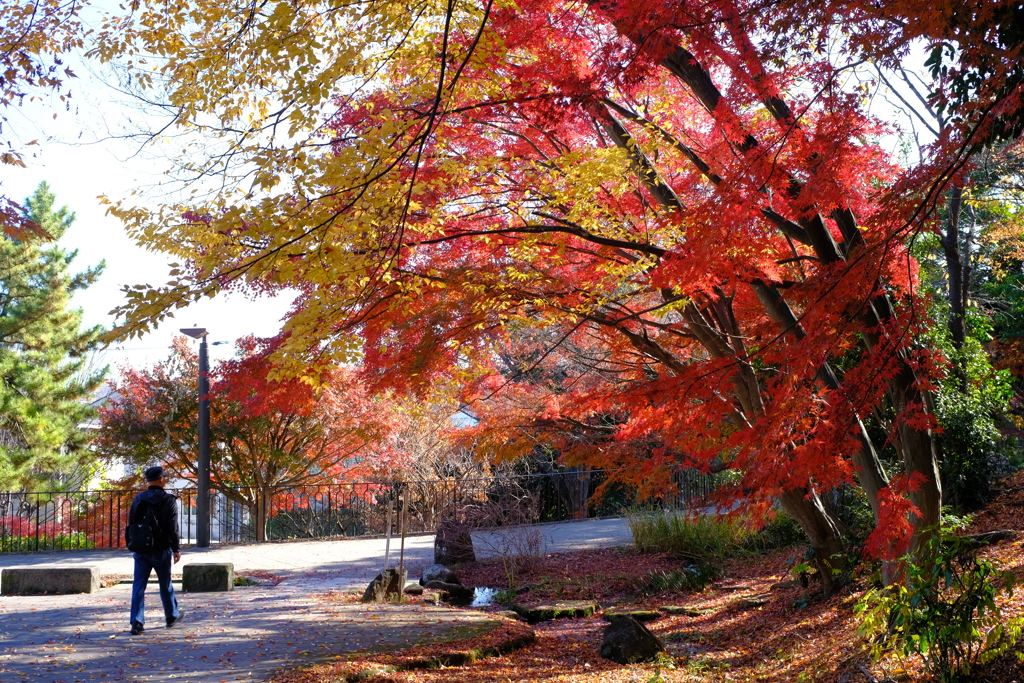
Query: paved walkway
{"points": [[247, 633]]}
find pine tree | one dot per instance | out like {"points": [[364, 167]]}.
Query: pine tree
{"points": [[45, 376]]}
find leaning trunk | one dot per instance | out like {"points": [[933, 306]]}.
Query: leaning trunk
{"points": [[826, 541], [920, 456], [717, 330]]}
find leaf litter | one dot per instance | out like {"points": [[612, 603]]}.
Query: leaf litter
{"points": [[796, 635]]}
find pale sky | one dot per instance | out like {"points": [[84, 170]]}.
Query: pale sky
{"points": [[80, 162]]}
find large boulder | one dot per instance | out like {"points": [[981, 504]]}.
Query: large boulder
{"points": [[438, 572], [453, 544], [387, 586], [627, 641]]}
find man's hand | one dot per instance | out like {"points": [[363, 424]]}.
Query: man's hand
{"points": [[177, 556]]}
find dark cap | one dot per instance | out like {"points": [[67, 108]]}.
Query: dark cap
{"points": [[153, 473]]}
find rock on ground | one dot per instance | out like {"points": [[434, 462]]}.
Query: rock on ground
{"points": [[387, 586], [438, 572], [627, 641]]}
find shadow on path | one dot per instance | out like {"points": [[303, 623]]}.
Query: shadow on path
{"points": [[242, 635], [245, 634]]}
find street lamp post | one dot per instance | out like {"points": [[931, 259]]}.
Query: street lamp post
{"points": [[203, 461]]}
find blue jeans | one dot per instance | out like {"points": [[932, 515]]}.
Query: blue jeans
{"points": [[160, 560]]}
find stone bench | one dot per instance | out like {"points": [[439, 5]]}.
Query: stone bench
{"points": [[208, 577], [36, 580]]}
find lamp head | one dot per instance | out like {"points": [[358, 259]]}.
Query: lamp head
{"points": [[194, 332]]}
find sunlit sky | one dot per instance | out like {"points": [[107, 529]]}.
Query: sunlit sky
{"points": [[81, 161]]}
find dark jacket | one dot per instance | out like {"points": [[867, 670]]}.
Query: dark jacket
{"points": [[165, 510]]}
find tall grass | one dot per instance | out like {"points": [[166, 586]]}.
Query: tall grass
{"points": [[708, 537], [698, 537]]}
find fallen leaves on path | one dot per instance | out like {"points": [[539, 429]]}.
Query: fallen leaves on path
{"points": [[509, 634]]}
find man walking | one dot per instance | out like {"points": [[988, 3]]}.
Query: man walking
{"points": [[160, 508]]}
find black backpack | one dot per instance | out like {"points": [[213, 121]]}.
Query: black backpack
{"points": [[142, 533]]}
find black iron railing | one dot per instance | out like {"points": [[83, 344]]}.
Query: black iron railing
{"points": [[34, 521]]}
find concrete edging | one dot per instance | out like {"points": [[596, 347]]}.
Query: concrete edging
{"points": [[207, 577], [49, 580]]}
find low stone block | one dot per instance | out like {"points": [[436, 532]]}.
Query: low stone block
{"points": [[688, 611], [430, 597], [36, 580], [638, 614], [208, 577], [570, 609], [752, 601]]}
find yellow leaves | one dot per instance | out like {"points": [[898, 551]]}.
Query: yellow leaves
{"points": [[315, 200], [12, 159], [1005, 239]]}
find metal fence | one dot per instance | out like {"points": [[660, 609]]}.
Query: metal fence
{"points": [[33, 521]]}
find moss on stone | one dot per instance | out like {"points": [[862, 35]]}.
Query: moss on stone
{"points": [[571, 609]]}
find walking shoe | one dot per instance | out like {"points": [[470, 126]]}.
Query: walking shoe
{"points": [[176, 620], [136, 628]]}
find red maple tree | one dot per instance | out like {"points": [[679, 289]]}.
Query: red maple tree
{"points": [[750, 296], [267, 434]]}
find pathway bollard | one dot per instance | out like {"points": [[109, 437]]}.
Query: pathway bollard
{"points": [[208, 577], [54, 580]]}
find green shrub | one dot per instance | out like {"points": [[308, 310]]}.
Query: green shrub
{"points": [[73, 541], [972, 455], [945, 612], [781, 531], [974, 452], [852, 511]]}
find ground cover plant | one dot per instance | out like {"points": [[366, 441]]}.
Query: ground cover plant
{"points": [[721, 632], [946, 611]]}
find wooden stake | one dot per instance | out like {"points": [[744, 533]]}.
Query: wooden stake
{"points": [[387, 543], [401, 557]]}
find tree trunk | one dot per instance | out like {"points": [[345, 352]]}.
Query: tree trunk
{"points": [[917, 447], [920, 455], [829, 552], [954, 268], [260, 513]]}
